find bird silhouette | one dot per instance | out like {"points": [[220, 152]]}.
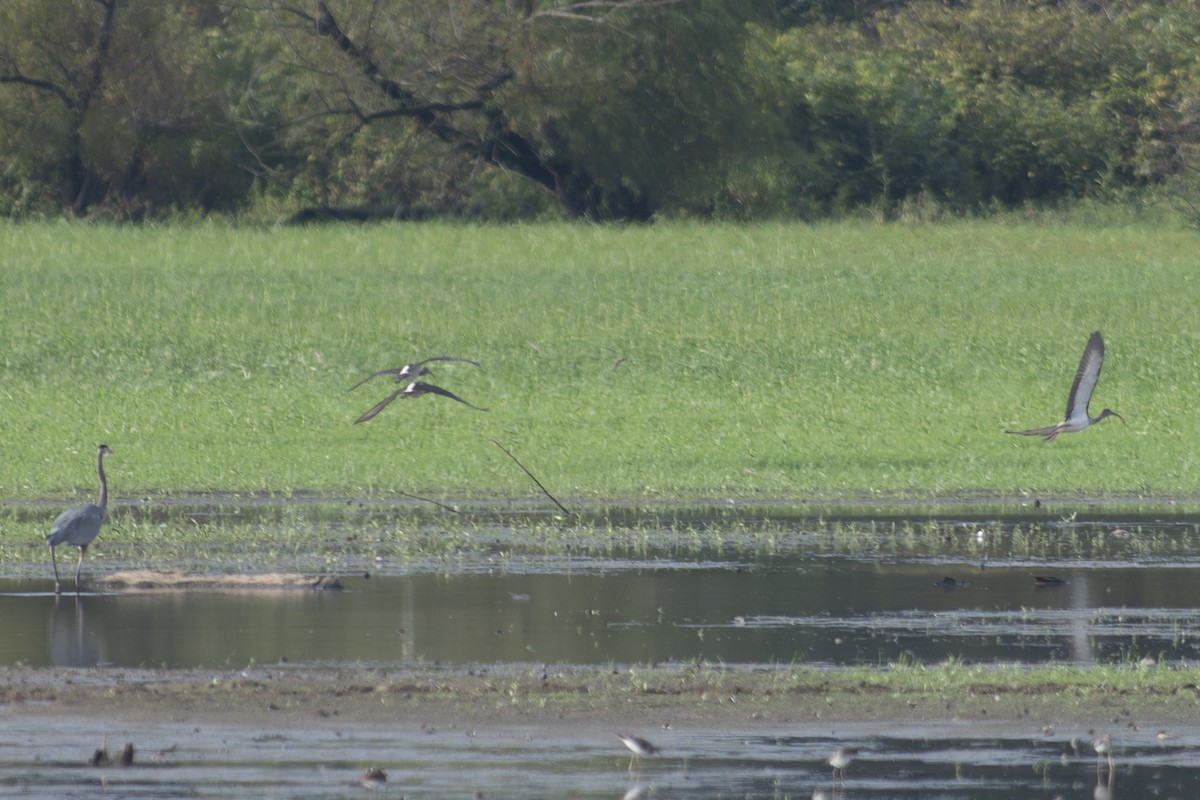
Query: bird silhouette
{"points": [[840, 759], [1077, 417], [79, 526], [414, 389], [1104, 748], [410, 371], [374, 778], [639, 747]]}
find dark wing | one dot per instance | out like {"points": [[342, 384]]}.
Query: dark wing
{"points": [[1050, 429], [1086, 377], [445, 358], [380, 406], [77, 526], [429, 387], [392, 371], [413, 369]]}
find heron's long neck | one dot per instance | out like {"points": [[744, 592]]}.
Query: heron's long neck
{"points": [[103, 501]]}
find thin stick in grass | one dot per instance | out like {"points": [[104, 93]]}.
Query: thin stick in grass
{"points": [[428, 500], [531, 476]]}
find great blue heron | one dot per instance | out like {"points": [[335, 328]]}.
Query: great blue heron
{"points": [[411, 371], [639, 747], [414, 389], [1077, 418], [79, 526]]}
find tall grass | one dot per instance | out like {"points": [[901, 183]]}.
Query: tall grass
{"points": [[673, 361]]}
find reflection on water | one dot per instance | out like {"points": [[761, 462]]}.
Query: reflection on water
{"points": [[748, 593], [822, 610], [72, 643], [625, 585]]}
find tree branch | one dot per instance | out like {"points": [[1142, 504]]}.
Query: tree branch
{"points": [[594, 11], [36, 83], [515, 152], [420, 111]]}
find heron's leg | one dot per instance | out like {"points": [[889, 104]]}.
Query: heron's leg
{"points": [[54, 562], [79, 565]]}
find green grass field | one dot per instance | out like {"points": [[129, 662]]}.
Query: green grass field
{"points": [[658, 362]]}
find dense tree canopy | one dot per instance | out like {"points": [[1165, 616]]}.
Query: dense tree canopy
{"points": [[609, 109]]}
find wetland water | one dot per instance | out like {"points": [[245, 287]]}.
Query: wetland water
{"points": [[738, 589], [825, 611], [950, 761]]}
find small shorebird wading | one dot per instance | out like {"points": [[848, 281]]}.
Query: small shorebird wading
{"points": [[414, 389], [840, 759], [1103, 747], [1077, 418], [373, 778], [410, 371], [639, 748]]}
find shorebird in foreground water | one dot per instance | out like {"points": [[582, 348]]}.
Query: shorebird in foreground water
{"points": [[414, 389], [374, 778], [639, 748], [1086, 376], [1103, 747], [79, 526], [410, 371], [839, 760]]}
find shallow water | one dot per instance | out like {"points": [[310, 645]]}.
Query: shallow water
{"points": [[827, 611], [948, 761], [731, 587]]}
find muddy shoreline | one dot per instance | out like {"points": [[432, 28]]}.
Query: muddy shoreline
{"points": [[602, 698]]}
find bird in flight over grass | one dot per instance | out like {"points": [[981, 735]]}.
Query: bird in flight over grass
{"points": [[414, 389], [1077, 418], [410, 371]]}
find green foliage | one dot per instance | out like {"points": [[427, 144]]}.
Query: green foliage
{"points": [[676, 75], [119, 112], [988, 101], [628, 110]]}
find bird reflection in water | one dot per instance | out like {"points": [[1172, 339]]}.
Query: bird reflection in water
{"points": [[71, 643]]}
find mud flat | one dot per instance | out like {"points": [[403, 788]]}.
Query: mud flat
{"points": [[542, 732], [602, 696]]}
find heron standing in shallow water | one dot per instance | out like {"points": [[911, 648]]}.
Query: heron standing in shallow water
{"points": [[79, 526], [1077, 418]]}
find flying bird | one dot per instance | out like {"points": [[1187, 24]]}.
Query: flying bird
{"points": [[414, 389], [1086, 376], [79, 526], [639, 747], [410, 371]]}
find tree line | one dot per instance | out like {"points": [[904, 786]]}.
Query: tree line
{"points": [[601, 109]]}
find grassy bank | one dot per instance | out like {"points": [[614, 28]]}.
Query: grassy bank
{"points": [[672, 361], [1111, 698]]}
